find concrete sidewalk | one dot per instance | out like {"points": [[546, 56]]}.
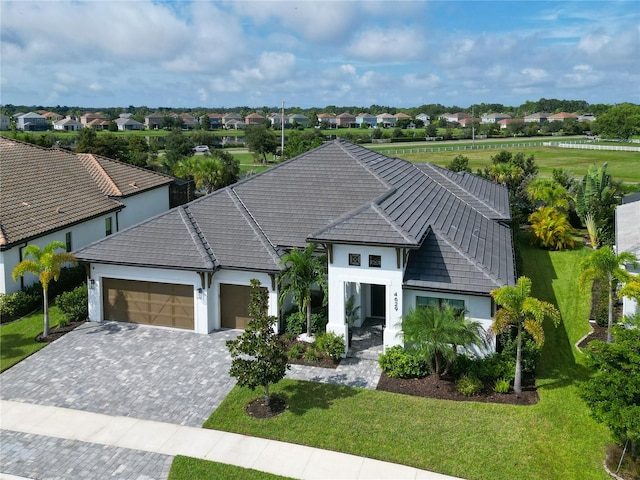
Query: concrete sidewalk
{"points": [[272, 456]]}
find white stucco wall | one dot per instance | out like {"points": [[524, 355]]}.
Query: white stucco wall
{"points": [[341, 275], [142, 206]]}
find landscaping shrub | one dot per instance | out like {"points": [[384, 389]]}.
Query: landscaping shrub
{"points": [[70, 278], [396, 362], [530, 351], [19, 304], [312, 354], [329, 345], [296, 322], [601, 308], [502, 385], [489, 368], [468, 385], [74, 304]]}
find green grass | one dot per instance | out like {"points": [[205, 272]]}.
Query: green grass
{"points": [[187, 468], [554, 439], [17, 339]]}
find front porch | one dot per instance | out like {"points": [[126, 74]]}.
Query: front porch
{"points": [[366, 340]]}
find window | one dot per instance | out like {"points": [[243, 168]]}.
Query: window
{"points": [[107, 226], [354, 259], [375, 261], [67, 239], [423, 302]]}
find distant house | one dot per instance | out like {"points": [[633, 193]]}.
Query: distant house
{"points": [[98, 124], [52, 116], [504, 123], [586, 117], [5, 122], [215, 120], [494, 117], [468, 121], [562, 116], [153, 121], [67, 124], [327, 117], [127, 124], [367, 119], [234, 124], [628, 240], [386, 120], [299, 119], [52, 194], [402, 116], [188, 121], [454, 117], [536, 117], [346, 120], [88, 117], [276, 120], [231, 117], [254, 119], [32, 122], [424, 117]]}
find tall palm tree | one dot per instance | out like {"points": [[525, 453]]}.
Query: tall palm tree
{"points": [[303, 270], [46, 263], [605, 265], [523, 312], [434, 334]]}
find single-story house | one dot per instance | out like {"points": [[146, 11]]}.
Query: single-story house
{"points": [[562, 116], [454, 117], [628, 240], [126, 124], [494, 117], [538, 117], [49, 194], [67, 124], [397, 235]]}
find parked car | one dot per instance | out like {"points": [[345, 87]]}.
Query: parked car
{"points": [[201, 148]]}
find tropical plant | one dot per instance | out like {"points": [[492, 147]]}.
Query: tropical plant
{"points": [[592, 230], [605, 265], [598, 195], [259, 354], [468, 385], [552, 228], [304, 269], [523, 312], [547, 192], [210, 171], [631, 289], [46, 263], [396, 362], [434, 334]]}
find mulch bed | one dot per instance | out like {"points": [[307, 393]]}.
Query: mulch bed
{"points": [[57, 332], [445, 389], [324, 362], [598, 333], [257, 408]]}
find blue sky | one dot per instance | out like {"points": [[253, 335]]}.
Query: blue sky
{"points": [[314, 54]]}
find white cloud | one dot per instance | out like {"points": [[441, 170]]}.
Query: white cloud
{"points": [[383, 45], [421, 81]]}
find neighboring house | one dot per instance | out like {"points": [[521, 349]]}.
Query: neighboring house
{"points": [[586, 117], [52, 116], [68, 125], [562, 116], [98, 124], [153, 121], [329, 118], [276, 120], [494, 117], [52, 194], [88, 117], [466, 122], [397, 235], [536, 117], [32, 122], [402, 116], [299, 118], [504, 124], [345, 120], [454, 117], [188, 121], [5, 122], [628, 239], [366, 118], [215, 120], [127, 124], [234, 124], [424, 117], [386, 120], [254, 119]]}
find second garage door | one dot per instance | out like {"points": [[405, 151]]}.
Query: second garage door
{"points": [[234, 305], [149, 303]]}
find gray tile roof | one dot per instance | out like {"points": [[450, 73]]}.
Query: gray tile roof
{"points": [[338, 193], [46, 189]]}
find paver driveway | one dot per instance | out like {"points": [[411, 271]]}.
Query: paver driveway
{"points": [[129, 370]]}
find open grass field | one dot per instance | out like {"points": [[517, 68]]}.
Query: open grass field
{"points": [[17, 339], [555, 439]]}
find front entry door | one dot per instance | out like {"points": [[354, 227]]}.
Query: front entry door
{"points": [[378, 301]]}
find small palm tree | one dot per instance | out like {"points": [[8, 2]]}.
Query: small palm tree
{"points": [[605, 265], [523, 312], [552, 228], [303, 270], [46, 263], [434, 334]]}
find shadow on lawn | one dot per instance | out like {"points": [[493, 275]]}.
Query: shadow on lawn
{"points": [[303, 396]]}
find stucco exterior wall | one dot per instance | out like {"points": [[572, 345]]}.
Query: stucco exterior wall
{"points": [[142, 206]]}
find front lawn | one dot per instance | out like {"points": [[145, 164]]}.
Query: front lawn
{"points": [[17, 339], [554, 439], [187, 468]]}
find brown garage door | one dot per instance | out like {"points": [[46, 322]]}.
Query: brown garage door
{"points": [[234, 305], [149, 303]]}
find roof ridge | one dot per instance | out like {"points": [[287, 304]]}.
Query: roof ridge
{"points": [[364, 165], [453, 244], [409, 238], [202, 245], [441, 175], [262, 236], [99, 171]]}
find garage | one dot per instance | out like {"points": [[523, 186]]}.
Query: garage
{"points": [[148, 303], [234, 305]]}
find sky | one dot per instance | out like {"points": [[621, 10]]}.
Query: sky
{"points": [[212, 54]]}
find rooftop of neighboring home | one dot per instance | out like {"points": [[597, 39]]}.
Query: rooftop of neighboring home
{"points": [[44, 189]]}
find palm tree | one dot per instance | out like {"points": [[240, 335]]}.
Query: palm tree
{"points": [[552, 228], [434, 333], [46, 263], [523, 312], [211, 171], [549, 193], [303, 270], [604, 265]]}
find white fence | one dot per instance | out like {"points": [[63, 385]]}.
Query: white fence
{"points": [[592, 146]]}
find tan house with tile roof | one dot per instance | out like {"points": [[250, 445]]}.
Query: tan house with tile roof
{"points": [[49, 194]]}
